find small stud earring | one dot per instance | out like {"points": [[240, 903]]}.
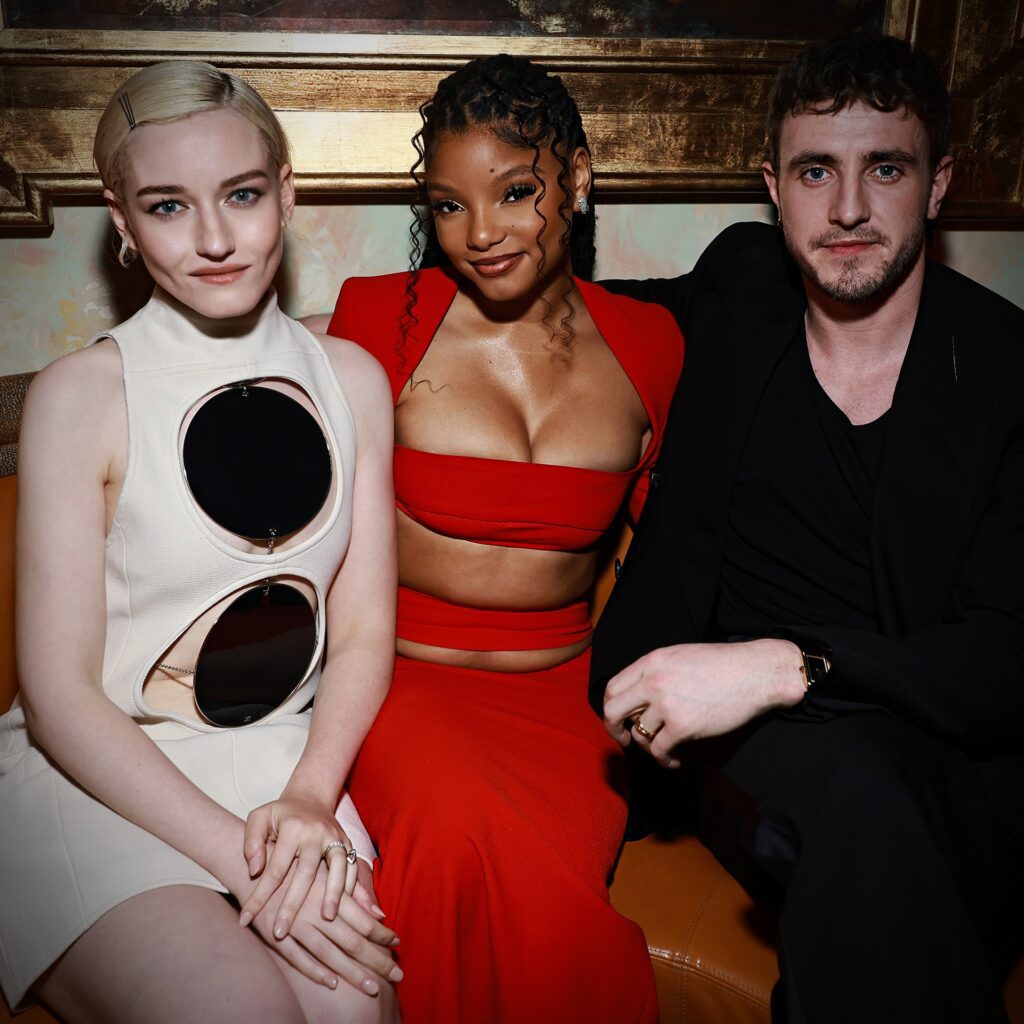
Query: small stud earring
{"points": [[584, 206]]}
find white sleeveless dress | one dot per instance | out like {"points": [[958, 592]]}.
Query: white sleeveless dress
{"points": [[65, 858]]}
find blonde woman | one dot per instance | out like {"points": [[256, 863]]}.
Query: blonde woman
{"points": [[204, 494]]}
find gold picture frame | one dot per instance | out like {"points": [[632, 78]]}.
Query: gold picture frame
{"points": [[667, 118]]}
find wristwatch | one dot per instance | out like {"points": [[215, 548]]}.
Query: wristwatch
{"points": [[815, 666]]}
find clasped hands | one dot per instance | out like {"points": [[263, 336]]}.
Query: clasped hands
{"points": [[694, 691], [318, 912]]}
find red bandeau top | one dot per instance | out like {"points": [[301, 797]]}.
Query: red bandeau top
{"points": [[497, 501]]}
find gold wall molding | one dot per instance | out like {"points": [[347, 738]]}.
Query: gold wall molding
{"points": [[667, 118]]}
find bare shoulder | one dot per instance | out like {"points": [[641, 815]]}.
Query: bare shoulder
{"points": [[357, 370], [76, 403]]}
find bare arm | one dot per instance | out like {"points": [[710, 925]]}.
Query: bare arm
{"points": [[72, 442], [73, 418], [357, 673]]}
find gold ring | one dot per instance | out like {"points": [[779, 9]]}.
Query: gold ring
{"points": [[640, 728]]}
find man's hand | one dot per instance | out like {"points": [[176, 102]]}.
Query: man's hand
{"points": [[693, 691]]}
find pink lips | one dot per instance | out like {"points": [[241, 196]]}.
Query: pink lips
{"points": [[227, 274], [852, 248], [494, 266]]}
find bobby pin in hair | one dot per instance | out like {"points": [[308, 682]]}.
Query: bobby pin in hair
{"points": [[126, 106]]}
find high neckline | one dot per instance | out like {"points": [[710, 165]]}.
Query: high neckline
{"points": [[216, 329]]}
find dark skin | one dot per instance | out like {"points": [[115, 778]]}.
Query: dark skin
{"points": [[496, 384]]}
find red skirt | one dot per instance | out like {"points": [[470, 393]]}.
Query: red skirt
{"points": [[497, 803]]}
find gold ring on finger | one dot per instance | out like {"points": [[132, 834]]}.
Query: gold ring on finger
{"points": [[643, 730]]}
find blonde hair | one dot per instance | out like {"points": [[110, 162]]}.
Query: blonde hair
{"points": [[170, 91]]}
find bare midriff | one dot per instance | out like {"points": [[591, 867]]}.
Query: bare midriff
{"points": [[512, 393], [489, 576]]}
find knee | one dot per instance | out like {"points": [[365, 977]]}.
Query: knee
{"points": [[361, 1009], [871, 784]]}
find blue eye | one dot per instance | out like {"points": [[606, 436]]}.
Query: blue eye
{"points": [[888, 172], [518, 192], [245, 196], [815, 175], [165, 208]]}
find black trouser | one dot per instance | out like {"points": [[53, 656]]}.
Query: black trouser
{"points": [[899, 891]]}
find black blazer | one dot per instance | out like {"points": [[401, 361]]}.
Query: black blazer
{"points": [[947, 536]]}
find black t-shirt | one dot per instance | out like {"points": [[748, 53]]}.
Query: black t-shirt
{"points": [[797, 550]]}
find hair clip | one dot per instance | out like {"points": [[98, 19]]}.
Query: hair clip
{"points": [[126, 106]]}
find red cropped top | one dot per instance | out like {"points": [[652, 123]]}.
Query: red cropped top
{"points": [[497, 501]]}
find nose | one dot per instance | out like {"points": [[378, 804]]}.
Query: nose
{"points": [[214, 238], [850, 205], [484, 230]]}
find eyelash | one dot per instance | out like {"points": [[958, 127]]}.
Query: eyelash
{"points": [[445, 206], [804, 174], [158, 209], [519, 192], [513, 194]]}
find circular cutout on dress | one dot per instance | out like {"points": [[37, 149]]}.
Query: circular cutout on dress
{"points": [[256, 462], [258, 648], [256, 654]]}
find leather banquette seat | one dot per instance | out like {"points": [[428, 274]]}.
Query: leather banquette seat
{"points": [[713, 953]]}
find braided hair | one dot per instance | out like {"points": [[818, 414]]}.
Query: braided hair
{"points": [[523, 106]]}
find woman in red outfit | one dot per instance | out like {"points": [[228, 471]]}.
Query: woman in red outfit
{"points": [[529, 405]]}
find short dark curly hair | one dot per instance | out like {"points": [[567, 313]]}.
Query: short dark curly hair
{"points": [[882, 71]]}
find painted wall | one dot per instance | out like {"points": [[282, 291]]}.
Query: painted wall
{"points": [[57, 292]]}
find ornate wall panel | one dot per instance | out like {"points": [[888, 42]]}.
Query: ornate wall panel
{"points": [[678, 118]]}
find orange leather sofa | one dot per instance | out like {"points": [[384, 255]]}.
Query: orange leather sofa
{"points": [[712, 950]]}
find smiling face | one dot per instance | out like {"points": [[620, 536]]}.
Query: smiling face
{"points": [[204, 205], [854, 190], [501, 222]]}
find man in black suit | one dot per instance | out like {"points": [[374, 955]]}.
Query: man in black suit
{"points": [[823, 605]]}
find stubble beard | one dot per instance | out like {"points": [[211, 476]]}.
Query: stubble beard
{"points": [[853, 285]]}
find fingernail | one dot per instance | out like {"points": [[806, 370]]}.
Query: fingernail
{"points": [[245, 918], [674, 764], [279, 931], [331, 982], [371, 986], [376, 911], [330, 911], [396, 973], [254, 866], [395, 941]]}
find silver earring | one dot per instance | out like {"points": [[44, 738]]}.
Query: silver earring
{"points": [[584, 206]]}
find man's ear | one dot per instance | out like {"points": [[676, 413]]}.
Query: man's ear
{"points": [[770, 179], [940, 184], [286, 181], [120, 219], [582, 175]]}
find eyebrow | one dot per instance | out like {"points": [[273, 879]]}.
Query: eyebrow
{"points": [[810, 157], [876, 156], [891, 156], [152, 190], [513, 172]]}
